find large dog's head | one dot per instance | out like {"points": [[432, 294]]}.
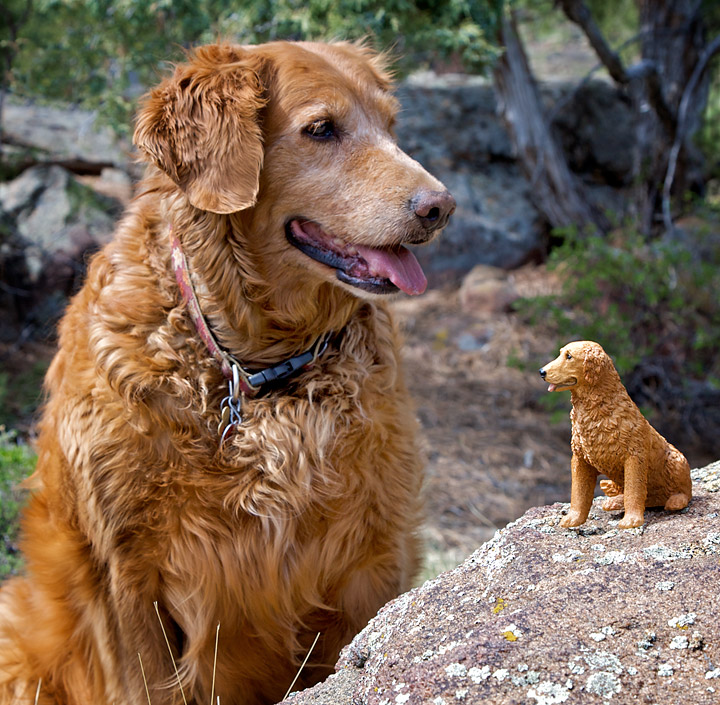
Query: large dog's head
{"points": [[297, 138], [579, 364]]}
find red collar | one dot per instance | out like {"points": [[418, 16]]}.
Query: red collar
{"points": [[241, 381]]}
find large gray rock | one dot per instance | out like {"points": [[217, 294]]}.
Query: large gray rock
{"points": [[449, 123], [542, 615], [73, 137], [50, 223], [58, 217]]}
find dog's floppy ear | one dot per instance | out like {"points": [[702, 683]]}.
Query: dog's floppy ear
{"points": [[202, 128], [595, 364]]}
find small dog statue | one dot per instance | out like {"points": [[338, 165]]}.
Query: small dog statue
{"points": [[611, 437]]}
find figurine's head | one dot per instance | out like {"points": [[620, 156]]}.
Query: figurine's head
{"points": [[582, 363]]}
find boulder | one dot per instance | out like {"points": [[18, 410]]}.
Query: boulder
{"points": [[487, 290], [72, 137], [449, 123], [51, 223], [541, 615]]}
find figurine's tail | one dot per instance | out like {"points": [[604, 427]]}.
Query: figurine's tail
{"points": [[610, 488]]}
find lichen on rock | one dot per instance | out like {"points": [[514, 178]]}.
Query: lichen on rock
{"points": [[538, 619]]}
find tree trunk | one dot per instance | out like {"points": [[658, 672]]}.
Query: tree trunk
{"points": [[673, 38], [556, 191], [672, 41]]}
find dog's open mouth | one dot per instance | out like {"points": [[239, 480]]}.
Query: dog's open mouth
{"points": [[381, 270]]}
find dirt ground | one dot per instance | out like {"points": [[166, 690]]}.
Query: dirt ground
{"points": [[492, 451]]}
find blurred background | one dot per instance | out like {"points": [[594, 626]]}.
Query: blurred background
{"points": [[581, 139]]}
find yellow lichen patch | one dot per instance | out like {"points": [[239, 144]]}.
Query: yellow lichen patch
{"points": [[511, 632], [499, 605]]}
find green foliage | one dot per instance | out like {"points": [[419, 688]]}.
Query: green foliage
{"points": [[618, 20], [708, 136], [102, 53], [16, 463], [654, 306], [20, 394]]}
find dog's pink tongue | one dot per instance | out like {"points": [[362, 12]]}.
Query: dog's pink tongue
{"points": [[551, 388], [399, 266]]}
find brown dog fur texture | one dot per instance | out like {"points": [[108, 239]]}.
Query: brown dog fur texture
{"points": [[611, 437], [306, 519]]}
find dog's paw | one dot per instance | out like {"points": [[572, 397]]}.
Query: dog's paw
{"points": [[572, 519], [677, 502], [631, 521]]}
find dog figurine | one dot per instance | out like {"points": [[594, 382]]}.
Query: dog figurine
{"points": [[610, 436]]}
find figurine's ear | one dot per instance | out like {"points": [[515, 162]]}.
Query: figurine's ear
{"points": [[202, 128], [595, 364]]}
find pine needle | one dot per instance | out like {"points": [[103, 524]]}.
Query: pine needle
{"points": [[302, 665], [212, 692], [144, 679], [37, 692], [172, 658]]}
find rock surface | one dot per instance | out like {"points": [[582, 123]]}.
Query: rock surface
{"points": [[487, 289], [449, 123], [71, 137], [50, 224], [542, 615]]}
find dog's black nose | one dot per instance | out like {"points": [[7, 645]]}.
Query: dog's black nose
{"points": [[542, 372], [433, 208]]}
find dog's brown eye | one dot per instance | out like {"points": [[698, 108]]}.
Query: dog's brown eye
{"points": [[321, 129]]}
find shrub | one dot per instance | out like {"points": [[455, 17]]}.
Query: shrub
{"points": [[16, 463], [655, 308]]}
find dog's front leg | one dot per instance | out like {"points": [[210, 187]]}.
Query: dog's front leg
{"points": [[635, 493], [134, 590], [584, 476]]}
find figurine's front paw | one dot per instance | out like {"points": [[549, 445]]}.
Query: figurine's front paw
{"points": [[573, 519], [631, 521]]}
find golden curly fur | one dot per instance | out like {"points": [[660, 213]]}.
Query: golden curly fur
{"points": [[306, 519], [611, 436]]}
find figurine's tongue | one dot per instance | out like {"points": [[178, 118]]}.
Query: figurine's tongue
{"points": [[551, 388]]}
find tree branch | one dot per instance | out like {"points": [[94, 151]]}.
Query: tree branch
{"points": [[560, 105], [557, 192], [647, 71], [682, 126], [579, 13]]}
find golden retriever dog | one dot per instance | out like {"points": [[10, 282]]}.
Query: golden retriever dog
{"points": [[227, 448], [611, 437]]}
